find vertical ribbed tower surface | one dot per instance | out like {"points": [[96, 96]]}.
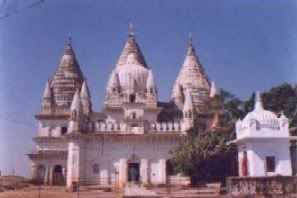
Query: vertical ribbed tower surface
{"points": [[191, 77], [67, 78]]}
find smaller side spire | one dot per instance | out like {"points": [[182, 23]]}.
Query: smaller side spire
{"points": [[47, 94], [47, 97], [188, 105], [86, 98], [85, 93], [151, 90], [188, 112], [150, 83], [213, 90], [113, 84], [76, 104], [258, 103], [76, 114]]}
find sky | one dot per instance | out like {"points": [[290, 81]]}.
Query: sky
{"points": [[244, 46]]}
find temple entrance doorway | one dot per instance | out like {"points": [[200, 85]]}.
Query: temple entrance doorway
{"points": [[133, 172], [58, 178]]}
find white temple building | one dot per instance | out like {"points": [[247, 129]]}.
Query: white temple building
{"points": [[263, 141], [130, 139]]}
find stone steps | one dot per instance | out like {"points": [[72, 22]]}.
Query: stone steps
{"points": [[134, 191], [198, 192]]}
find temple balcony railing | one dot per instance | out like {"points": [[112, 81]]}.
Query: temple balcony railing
{"points": [[164, 127], [49, 152]]}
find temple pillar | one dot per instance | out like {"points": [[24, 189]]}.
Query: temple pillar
{"points": [[162, 165], [75, 163], [144, 171], [123, 172], [46, 175], [51, 175]]}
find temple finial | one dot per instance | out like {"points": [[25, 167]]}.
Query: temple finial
{"points": [[131, 29], [69, 39], [258, 102], [190, 38]]}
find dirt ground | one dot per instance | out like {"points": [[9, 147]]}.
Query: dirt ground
{"points": [[53, 192]]}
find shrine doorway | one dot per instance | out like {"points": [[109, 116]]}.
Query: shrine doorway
{"points": [[133, 172]]}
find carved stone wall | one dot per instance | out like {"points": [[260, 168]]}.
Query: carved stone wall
{"points": [[261, 186]]}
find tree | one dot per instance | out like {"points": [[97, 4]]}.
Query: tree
{"points": [[282, 98], [249, 104], [204, 156]]}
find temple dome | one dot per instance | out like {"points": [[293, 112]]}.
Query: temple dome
{"points": [[133, 74], [260, 114]]}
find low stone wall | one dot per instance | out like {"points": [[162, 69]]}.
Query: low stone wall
{"points": [[243, 186]]}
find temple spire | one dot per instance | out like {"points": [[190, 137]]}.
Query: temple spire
{"points": [[192, 75], [258, 102], [131, 46], [67, 78]]}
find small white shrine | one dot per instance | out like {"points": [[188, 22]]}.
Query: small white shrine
{"points": [[263, 143]]}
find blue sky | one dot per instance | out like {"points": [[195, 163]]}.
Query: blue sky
{"points": [[243, 45]]}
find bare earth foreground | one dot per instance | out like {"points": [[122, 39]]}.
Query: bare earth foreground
{"points": [[60, 192], [53, 192]]}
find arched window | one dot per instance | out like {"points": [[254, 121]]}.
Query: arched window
{"points": [[96, 168]]}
